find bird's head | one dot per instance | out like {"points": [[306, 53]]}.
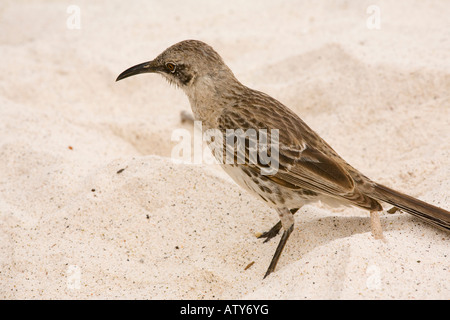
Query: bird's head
{"points": [[182, 64]]}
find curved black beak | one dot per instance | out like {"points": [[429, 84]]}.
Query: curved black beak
{"points": [[146, 67]]}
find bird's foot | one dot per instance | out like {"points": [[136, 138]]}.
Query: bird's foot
{"points": [[271, 233], [279, 249], [274, 230]]}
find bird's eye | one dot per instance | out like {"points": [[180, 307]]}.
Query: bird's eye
{"points": [[171, 66]]}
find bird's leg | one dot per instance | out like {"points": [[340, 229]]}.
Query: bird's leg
{"points": [[375, 225], [287, 222], [275, 229]]}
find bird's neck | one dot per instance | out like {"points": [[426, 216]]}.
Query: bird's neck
{"points": [[209, 95]]}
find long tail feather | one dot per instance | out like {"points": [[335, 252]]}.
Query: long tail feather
{"points": [[431, 214]]}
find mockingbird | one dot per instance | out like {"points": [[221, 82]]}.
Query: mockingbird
{"points": [[308, 169]]}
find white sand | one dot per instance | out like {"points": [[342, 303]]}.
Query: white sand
{"points": [[160, 230]]}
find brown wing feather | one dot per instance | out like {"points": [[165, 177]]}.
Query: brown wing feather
{"points": [[314, 166]]}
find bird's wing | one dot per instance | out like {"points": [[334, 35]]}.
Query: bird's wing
{"points": [[305, 160]]}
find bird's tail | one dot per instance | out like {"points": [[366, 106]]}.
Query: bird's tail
{"points": [[431, 214]]}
